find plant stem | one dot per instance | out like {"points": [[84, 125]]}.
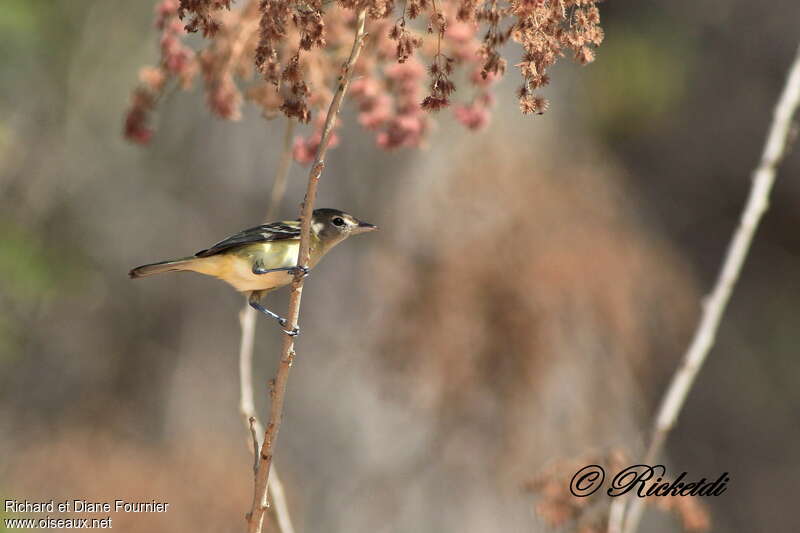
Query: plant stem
{"points": [[279, 185], [247, 321], [278, 392], [714, 306]]}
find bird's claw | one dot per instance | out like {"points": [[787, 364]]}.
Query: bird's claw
{"points": [[302, 270], [293, 333]]}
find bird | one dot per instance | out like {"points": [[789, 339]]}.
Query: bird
{"points": [[263, 258]]}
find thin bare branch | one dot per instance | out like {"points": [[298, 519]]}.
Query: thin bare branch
{"points": [[714, 306], [256, 515], [247, 321], [279, 506], [616, 514], [254, 437], [279, 185]]}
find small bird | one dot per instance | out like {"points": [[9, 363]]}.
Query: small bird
{"points": [[264, 258]]}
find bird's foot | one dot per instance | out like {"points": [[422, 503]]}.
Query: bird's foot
{"points": [[300, 269], [294, 332]]}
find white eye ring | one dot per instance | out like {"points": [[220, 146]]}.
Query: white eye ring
{"points": [[338, 221]]}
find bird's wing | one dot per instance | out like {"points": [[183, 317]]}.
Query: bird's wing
{"points": [[276, 231]]}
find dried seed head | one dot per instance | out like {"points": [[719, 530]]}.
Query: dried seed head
{"points": [[286, 55]]}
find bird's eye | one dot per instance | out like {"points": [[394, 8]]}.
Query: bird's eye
{"points": [[338, 221]]}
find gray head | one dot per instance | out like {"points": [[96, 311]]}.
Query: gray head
{"points": [[332, 225]]}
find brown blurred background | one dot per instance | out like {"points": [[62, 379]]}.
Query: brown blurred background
{"points": [[531, 291]]}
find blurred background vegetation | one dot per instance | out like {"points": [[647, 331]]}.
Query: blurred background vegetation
{"points": [[435, 376]]}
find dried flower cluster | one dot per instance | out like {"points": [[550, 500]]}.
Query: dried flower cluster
{"points": [[177, 62], [285, 55], [558, 508]]}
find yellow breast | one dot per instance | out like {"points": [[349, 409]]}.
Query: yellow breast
{"points": [[236, 267]]}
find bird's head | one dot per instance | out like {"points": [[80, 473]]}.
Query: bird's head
{"points": [[332, 226]]}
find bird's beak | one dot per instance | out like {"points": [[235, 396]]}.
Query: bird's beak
{"points": [[364, 227]]}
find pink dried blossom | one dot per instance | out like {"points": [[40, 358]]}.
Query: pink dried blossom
{"points": [[305, 149], [472, 116], [286, 55]]}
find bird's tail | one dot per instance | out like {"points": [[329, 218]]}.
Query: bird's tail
{"points": [[164, 266]]}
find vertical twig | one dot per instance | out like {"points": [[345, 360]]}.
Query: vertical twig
{"points": [[714, 306], [278, 393], [616, 514], [279, 185], [247, 321]]}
